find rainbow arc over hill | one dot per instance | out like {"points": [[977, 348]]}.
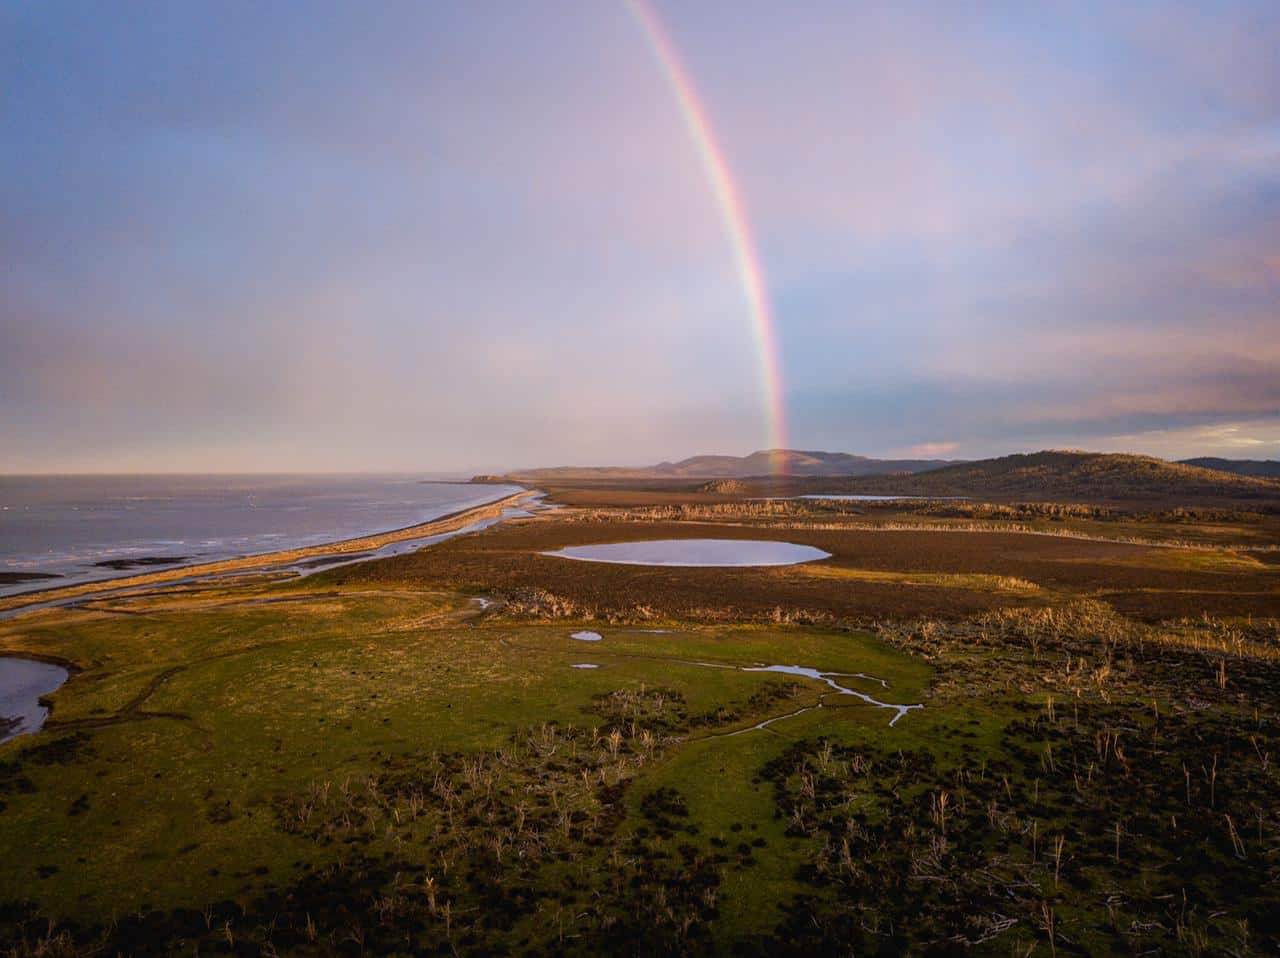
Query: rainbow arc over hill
{"points": [[733, 215]]}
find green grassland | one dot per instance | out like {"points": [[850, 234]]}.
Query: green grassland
{"points": [[191, 722], [324, 766]]}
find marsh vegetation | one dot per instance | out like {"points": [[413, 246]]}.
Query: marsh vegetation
{"points": [[368, 760]]}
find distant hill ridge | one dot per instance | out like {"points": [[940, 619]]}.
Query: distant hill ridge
{"points": [[1258, 468], [1070, 475], [1074, 474], [765, 462]]}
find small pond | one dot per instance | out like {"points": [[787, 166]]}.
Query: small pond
{"points": [[695, 552], [22, 682], [852, 497]]}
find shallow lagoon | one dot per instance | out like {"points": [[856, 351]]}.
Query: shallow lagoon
{"points": [[22, 682], [695, 552]]}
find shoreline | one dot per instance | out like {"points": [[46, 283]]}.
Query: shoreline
{"points": [[449, 522]]}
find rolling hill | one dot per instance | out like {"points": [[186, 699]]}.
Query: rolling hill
{"points": [[1085, 476], [765, 462], [1051, 475], [1258, 468]]}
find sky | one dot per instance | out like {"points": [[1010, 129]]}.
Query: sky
{"points": [[247, 236]]}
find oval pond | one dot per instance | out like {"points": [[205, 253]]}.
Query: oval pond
{"points": [[695, 552]]}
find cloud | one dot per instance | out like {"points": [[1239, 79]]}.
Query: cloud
{"points": [[931, 450], [445, 239]]}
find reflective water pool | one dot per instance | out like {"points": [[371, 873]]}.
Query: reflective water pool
{"points": [[851, 497], [22, 682], [695, 552], [827, 678]]}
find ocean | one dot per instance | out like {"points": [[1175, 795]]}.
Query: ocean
{"points": [[62, 530]]}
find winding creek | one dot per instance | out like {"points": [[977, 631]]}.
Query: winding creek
{"points": [[830, 679], [827, 678]]}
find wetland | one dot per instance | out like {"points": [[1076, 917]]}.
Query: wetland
{"points": [[937, 738]]}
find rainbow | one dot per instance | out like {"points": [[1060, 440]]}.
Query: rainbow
{"points": [[733, 214]]}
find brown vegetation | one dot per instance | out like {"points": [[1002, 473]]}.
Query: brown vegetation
{"points": [[724, 487], [509, 560], [1079, 476]]}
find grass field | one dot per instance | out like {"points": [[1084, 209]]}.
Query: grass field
{"points": [[372, 761]]}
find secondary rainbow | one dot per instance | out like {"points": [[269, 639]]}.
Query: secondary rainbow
{"points": [[733, 213]]}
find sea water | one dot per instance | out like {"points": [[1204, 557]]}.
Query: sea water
{"points": [[88, 528]]}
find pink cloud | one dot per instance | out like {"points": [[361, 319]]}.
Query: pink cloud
{"points": [[932, 450]]}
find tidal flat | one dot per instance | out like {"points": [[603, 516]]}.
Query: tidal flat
{"points": [[368, 759]]}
